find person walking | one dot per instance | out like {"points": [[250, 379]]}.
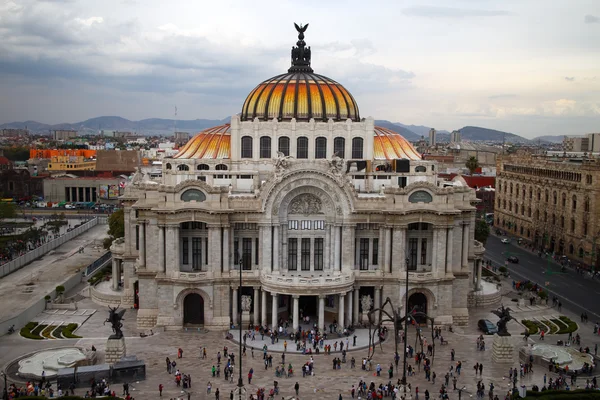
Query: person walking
{"points": [[296, 388], [217, 394], [160, 389]]}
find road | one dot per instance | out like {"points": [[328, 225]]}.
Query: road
{"points": [[576, 292]]}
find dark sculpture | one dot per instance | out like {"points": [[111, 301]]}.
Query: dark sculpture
{"points": [[115, 319], [504, 314], [300, 54]]}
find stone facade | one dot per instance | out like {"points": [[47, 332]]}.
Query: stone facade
{"points": [[551, 202]]}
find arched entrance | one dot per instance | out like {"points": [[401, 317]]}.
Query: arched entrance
{"points": [[417, 302], [193, 309]]}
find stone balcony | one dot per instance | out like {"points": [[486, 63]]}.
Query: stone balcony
{"points": [[309, 283]]}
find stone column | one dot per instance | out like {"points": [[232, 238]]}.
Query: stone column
{"points": [[276, 245], [115, 274], [214, 249], [377, 302], [322, 313], [355, 308], [399, 249], [274, 311], [225, 249], [381, 249], [465, 246], [336, 252], [349, 247], [434, 253], [172, 249], [387, 242], [341, 302], [327, 249], [284, 247], [449, 252], [350, 300], [142, 254], [479, 266], [441, 247], [295, 313], [162, 266], [263, 308], [234, 306]]}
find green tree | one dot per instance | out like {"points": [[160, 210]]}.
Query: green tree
{"points": [[55, 222], [472, 163], [7, 210], [482, 231], [116, 227]]}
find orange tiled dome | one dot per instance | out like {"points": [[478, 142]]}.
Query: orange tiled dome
{"points": [[389, 145], [210, 143], [302, 95]]}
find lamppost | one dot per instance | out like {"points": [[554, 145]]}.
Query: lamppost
{"points": [[405, 330], [5, 394], [240, 379]]}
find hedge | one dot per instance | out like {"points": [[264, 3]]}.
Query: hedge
{"points": [[571, 325], [100, 275], [531, 326], [48, 331], [67, 332], [553, 328], [580, 394], [26, 331]]}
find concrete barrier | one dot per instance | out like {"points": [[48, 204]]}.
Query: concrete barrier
{"points": [[26, 258]]}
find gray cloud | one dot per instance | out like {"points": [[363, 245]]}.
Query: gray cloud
{"points": [[569, 78], [591, 19], [449, 12]]}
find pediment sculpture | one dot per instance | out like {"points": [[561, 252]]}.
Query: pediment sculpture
{"points": [[306, 204]]}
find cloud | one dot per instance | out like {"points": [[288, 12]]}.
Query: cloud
{"points": [[449, 12], [569, 78], [591, 19], [503, 96]]}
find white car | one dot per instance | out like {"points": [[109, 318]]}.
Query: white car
{"points": [[505, 241], [70, 207]]}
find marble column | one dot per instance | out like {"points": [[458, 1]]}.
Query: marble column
{"points": [[234, 306], [350, 300], [142, 253], [399, 249], [465, 246], [356, 308], [387, 243], [115, 274], [274, 311], [263, 306], [295, 313], [276, 245], [337, 248], [377, 302], [256, 299], [479, 266], [349, 246], [162, 266], [321, 313], [449, 252], [225, 249], [434, 253], [341, 302], [327, 249]]}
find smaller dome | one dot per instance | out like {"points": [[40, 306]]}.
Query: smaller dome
{"points": [[213, 143], [389, 145]]}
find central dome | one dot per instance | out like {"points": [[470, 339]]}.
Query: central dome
{"points": [[300, 94]]}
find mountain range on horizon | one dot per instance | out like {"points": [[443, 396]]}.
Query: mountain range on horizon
{"points": [[154, 126]]}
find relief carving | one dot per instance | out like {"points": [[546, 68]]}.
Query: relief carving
{"points": [[306, 204]]}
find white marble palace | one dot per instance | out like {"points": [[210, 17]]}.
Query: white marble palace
{"points": [[321, 210]]}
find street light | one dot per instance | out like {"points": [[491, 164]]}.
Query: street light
{"points": [[240, 379], [5, 394], [405, 330]]}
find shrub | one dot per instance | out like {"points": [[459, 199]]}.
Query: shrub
{"points": [[543, 294], [26, 331], [531, 326], [60, 289], [553, 328], [47, 333], [47, 297], [571, 325], [503, 269], [99, 275], [67, 332]]}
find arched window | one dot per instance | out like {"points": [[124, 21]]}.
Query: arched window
{"points": [[574, 202], [539, 195], [357, 148], [530, 194], [547, 195], [183, 167], [510, 206], [202, 167], [564, 199], [524, 191], [221, 167], [302, 147], [265, 147], [571, 249], [420, 168], [511, 189], [516, 208], [499, 186], [562, 221], [580, 252], [247, 147], [284, 145], [586, 205], [339, 147], [554, 198], [193, 195], [321, 147], [168, 166]]}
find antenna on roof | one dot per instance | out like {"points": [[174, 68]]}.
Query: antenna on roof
{"points": [[175, 124]]}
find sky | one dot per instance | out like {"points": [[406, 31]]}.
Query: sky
{"points": [[528, 67]]}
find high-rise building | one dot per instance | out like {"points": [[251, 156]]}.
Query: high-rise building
{"points": [[432, 137], [582, 144], [455, 137]]}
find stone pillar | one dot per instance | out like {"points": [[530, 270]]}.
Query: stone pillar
{"points": [[387, 242], [274, 311], [350, 299], [214, 249], [465, 246], [327, 249], [295, 313], [276, 245], [142, 254], [355, 308], [263, 308], [337, 249], [341, 302], [441, 249], [172, 249], [434, 253], [115, 274], [322, 313], [449, 252], [349, 247], [479, 266], [256, 299], [377, 302], [234, 305], [225, 249], [162, 266], [399, 249], [284, 247]]}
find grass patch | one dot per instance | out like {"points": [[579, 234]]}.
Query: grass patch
{"points": [[67, 332], [100, 275], [26, 331], [38, 330], [47, 333], [553, 328], [571, 325], [531, 326]]}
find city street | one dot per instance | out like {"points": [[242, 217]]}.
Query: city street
{"points": [[576, 292]]}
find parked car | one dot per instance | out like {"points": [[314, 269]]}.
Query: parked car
{"points": [[505, 241], [513, 259], [486, 326], [70, 206]]}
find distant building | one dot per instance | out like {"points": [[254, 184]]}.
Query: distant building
{"points": [[10, 132], [64, 134], [72, 188], [118, 161], [455, 137], [71, 163], [585, 144], [20, 184], [432, 137], [182, 137], [487, 196]]}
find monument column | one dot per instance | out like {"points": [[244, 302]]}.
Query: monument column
{"points": [[321, 313], [356, 293], [142, 253], [256, 298], [342, 300], [295, 313], [162, 266], [449, 252], [274, 311], [263, 307], [115, 274], [234, 305]]}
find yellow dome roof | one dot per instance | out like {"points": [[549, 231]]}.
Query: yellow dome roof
{"points": [[210, 143]]}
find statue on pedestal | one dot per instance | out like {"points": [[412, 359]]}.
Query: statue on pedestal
{"points": [[246, 303], [115, 319], [504, 314]]}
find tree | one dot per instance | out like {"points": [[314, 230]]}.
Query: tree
{"points": [[482, 231], [7, 210], [472, 163], [116, 227]]}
